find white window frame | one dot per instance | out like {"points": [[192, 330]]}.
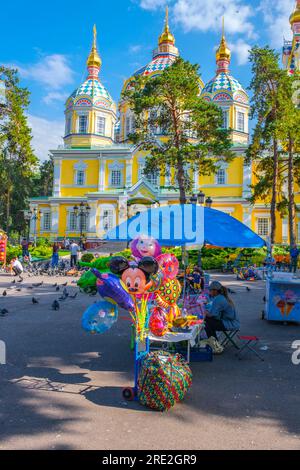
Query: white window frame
{"points": [[218, 180], [68, 125], [72, 222], [78, 173], [100, 130], [46, 218], [225, 114], [87, 123], [116, 181], [239, 114], [263, 219], [114, 168]]}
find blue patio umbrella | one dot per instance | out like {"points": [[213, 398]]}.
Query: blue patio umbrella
{"points": [[180, 225]]}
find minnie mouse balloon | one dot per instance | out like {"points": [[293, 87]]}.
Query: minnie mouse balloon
{"points": [[99, 317], [145, 246]]}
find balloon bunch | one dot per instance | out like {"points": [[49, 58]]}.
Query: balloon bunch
{"points": [[147, 287]]}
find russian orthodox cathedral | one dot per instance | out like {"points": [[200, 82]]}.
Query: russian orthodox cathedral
{"points": [[99, 176]]}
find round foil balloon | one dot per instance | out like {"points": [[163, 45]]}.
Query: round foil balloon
{"points": [[99, 317], [170, 291], [145, 246], [169, 264], [158, 323]]}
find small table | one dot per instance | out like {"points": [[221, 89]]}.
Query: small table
{"points": [[189, 336]]}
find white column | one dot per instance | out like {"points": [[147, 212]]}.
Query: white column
{"points": [[122, 208], [247, 179], [92, 222], [196, 180], [101, 182], [57, 176], [247, 216], [129, 173], [54, 218], [168, 177], [285, 230]]}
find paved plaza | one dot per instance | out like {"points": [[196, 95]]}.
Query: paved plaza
{"points": [[62, 388]]}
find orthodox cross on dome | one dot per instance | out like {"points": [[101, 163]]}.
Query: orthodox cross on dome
{"points": [[166, 36], [223, 54], [94, 61]]}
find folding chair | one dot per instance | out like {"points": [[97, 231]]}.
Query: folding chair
{"points": [[229, 339], [249, 345]]}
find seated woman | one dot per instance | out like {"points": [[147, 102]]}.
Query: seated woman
{"points": [[221, 315]]}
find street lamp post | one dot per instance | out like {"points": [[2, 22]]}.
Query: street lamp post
{"points": [[200, 199], [34, 215], [83, 212]]}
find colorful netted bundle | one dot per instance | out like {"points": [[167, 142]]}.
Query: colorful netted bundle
{"points": [[163, 380]]}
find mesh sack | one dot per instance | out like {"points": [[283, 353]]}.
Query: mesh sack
{"points": [[163, 380]]}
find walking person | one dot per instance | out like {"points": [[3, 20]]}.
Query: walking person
{"points": [[55, 255], [294, 255], [25, 247], [74, 250], [221, 316]]}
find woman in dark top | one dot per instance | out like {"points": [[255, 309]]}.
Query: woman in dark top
{"points": [[222, 315]]}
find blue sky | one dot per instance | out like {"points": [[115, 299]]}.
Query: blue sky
{"points": [[49, 44]]}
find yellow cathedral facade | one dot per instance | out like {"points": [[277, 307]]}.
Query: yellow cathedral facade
{"points": [[98, 172]]}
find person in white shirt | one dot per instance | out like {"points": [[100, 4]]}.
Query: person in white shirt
{"points": [[17, 267], [74, 250]]}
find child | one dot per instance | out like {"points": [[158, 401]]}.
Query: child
{"points": [[197, 278]]}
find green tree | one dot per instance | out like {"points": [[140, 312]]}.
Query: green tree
{"points": [[191, 128], [289, 133], [17, 160], [44, 179], [267, 107]]}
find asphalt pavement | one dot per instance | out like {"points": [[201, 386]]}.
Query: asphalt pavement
{"points": [[62, 388]]}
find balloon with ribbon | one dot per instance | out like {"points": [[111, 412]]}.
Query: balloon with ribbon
{"points": [[111, 289], [145, 246], [99, 317]]}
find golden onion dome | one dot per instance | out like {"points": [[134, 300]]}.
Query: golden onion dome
{"points": [[295, 16], [166, 35], [223, 52], [94, 59]]}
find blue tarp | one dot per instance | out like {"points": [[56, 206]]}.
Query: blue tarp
{"points": [[179, 225]]}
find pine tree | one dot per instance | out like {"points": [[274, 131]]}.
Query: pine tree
{"points": [[17, 160], [191, 128], [267, 108]]}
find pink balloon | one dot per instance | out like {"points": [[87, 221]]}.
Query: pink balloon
{"points": [[169, 264]]}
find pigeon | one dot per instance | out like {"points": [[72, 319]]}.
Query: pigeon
{"points": [[4, 293], [65, 284], [74, 296], [20, 280], [55, 285], [57, 289], [13, 282], [231, 291], [264, 299], [3, 312], [19, 289], [38, 284], [29, 287], [55, 305], [34, 300], [248, 289], [65, 293], [61, 299]]}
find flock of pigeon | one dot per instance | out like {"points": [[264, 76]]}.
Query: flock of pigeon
{"points": [[56, 303]]}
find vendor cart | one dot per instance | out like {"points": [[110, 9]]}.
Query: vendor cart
{"points": [[282, 298]]}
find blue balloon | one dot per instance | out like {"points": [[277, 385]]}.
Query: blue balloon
{"points": [[99, 317], [109, 287]]}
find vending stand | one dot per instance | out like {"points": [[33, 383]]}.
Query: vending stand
{"points": [[3, 247], [283, 298]]}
